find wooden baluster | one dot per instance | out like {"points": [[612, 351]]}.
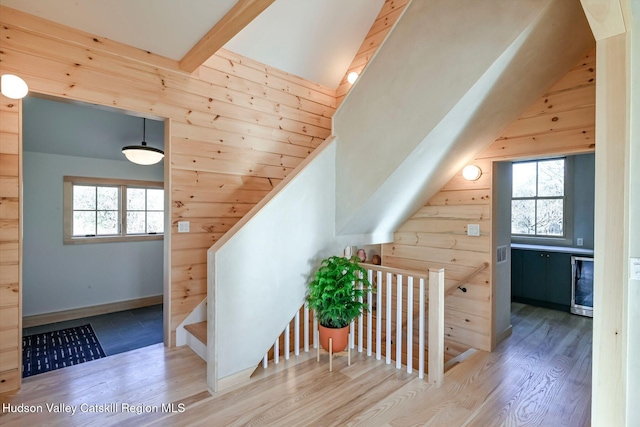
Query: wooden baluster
{"points": [[265, 361], [399, 322], [421, 332], [436, 326], [352, 329], [296, 332], [315, 332], [286, 341], [388, 331], [379, 315], [306, 328], [409, 324], [331, 354], [370, 313], [276, 351], [360, 321]]}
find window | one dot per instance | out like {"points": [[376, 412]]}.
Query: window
{"points": [[538, 198], [107, 210]]}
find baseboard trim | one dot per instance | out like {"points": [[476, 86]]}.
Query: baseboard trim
{"points": [[238, 379], [503, 335], [78, 313]]}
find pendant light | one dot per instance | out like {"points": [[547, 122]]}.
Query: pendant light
{"points": [[143, 154]]}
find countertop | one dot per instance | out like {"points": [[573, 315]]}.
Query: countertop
{"points": [[563, 249]]}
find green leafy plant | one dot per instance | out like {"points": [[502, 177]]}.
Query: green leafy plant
{"points": [[334, 293]]}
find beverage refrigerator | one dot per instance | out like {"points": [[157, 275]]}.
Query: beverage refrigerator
{"points": [[582, 285]]}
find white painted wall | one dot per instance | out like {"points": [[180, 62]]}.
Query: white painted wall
{"points": [[255, 297], [439, 90], [61, 277]]}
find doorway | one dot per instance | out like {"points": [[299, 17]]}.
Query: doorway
{"points": [[62, 281]]}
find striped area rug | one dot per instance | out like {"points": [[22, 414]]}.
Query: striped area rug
{"points": [[54, 350]]}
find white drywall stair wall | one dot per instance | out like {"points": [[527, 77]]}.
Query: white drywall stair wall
{"points": [[451, 76]]}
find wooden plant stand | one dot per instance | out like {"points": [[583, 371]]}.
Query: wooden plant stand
{"points": [[331, 352]]}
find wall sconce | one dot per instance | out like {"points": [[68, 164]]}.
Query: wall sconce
{"points": [[13, 86], [352, 77], [471, 172]]}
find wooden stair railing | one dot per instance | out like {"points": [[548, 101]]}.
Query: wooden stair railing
{"points": [[467, 279], [364, 328], [405, 325]]}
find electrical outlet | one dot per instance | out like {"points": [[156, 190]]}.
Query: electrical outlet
{"points": [[183, 226], [580, 241], [473, 229]]}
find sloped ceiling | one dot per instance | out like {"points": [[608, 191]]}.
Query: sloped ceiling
{"points": [[447, 100], [313, 39]]}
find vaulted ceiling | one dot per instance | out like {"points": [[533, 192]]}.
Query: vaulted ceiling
{"points": [[313, 39]]}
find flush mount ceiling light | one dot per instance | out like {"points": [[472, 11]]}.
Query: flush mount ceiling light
{"points": [[143, 154], [352, 77], [471, 172], [13, 86]]}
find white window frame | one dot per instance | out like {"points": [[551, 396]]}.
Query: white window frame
{"points": [[70, 181]]}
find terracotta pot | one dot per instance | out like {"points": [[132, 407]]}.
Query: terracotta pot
{"points": [[340, 337]]}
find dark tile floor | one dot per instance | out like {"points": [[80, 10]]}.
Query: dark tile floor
{"points": [[117, 332]]}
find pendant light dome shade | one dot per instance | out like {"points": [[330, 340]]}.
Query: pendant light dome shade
{"points": [[143, 154]]}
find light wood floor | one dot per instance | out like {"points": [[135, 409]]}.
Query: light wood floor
{"points": [[540, 376]]}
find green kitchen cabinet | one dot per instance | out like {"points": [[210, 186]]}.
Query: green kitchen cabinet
{"points": [[541, 278]]}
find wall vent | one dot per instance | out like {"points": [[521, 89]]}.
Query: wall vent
{"points": [[501, 255]]}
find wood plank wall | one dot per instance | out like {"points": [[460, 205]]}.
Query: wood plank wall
{"points": [[237, 127], [388, 15], [10, 250], [560, 122]]}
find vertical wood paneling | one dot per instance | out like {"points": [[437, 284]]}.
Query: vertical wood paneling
{"points": [[560, 122], [10, 245]]}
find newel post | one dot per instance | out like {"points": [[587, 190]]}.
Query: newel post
{"points": [[436, 327]]}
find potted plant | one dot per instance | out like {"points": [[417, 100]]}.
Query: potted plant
{"points": [[334, 296]]}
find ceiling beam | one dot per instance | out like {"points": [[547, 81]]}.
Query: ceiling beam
{"points": [[606, 17], [243, 12]]}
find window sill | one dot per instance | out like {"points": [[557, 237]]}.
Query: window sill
{"points": [[112, 239]]}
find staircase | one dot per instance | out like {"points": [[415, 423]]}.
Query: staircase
{"points": [[197, 338], [449, 78]]}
